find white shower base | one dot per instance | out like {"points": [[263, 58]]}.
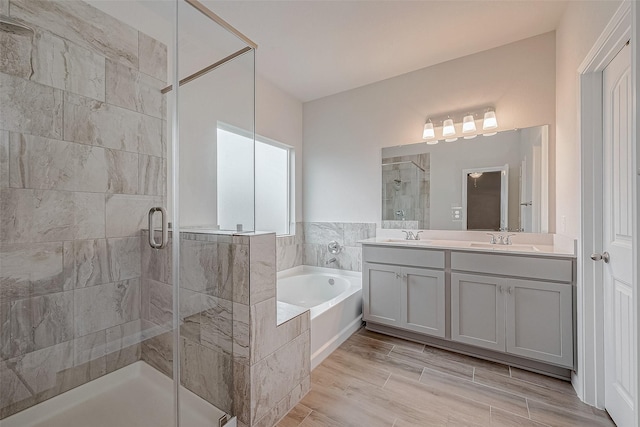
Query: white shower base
{"points": [[134, 396]]}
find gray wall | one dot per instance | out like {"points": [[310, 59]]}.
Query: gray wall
{"points": [[81, 161]]}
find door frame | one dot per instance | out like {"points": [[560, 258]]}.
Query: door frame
{"points": [[504, 193], [589, 379]]}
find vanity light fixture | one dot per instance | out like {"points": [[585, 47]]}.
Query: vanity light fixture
{"points": [[432, 142], [469, 122], [448, 129], [428, 132]]}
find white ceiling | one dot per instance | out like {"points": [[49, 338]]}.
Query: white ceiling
{"points": [[313, 49]]}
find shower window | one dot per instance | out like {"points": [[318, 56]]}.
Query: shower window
{"points": [[273, 166]]}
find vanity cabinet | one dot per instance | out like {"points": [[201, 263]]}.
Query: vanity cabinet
{"points": [[408, 294], [527, 310], [510, 307]]}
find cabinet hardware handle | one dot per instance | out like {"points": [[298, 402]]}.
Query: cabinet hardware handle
{"points": [[510, 290], [501, 288]]}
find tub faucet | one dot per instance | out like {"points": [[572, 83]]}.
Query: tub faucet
{"points": [[330, 261]]}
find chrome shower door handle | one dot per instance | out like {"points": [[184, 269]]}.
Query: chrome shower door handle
{"points": [[165, 228]]}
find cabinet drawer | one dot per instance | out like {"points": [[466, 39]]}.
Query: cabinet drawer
{"points": [[416, 257], [558, 270]]}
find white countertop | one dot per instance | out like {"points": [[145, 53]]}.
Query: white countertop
{"points": [[521, 248]]}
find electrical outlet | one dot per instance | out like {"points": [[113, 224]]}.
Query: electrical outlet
{"points": [[456, 213]]}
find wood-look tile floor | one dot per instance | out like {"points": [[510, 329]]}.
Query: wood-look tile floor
{"points": [[376, 380]]}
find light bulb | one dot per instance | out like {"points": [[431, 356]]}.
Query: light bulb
{"points": [[447, 128], [490, 121], [433, 142], [428, 132], [468, 124]]}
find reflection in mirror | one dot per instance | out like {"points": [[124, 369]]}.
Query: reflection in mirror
{"points": [[485, 198], [450, 186], [405, 191]]}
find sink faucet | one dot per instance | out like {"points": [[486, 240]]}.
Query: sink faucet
{"points": [[500, 239], [408, 235], [506, 240]]}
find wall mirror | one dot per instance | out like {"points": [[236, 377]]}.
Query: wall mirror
{"points": [[497, 182]]}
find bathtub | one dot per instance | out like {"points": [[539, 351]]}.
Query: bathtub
{"points": [[334, 299]]}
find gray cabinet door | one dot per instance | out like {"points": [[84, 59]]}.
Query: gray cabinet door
{"points": [[478, 310], [381, 293], [423, 301], [540, 321]]}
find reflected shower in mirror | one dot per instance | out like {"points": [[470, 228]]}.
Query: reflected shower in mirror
{"points": [[497, 182]]}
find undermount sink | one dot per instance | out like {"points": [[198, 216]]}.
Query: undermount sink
{"points": [[411, 242], [517, 248]]}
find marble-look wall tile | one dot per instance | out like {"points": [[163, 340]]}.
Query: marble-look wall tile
{"points": [[106, 260], [262, 267], [158, 352], [104, 306], [216, 325], [82, 24], [355, 231], [239, 273], [289, 256], [13, 389], [126, 215], [199, 266], [133, 90], [29, 107], [153, 57], [160, 303], [89, 347], [32, 269], [265, 336], [285, 404], [152, 175], [5, 331], [4, 7], [4, 159], [15, 54], [43, 163], [47, 216], [39, 370], [156, 264], [123, 345], [241, 339], [323, 232], [276, 375], [88, 121], [40, 322], [67, 66], [208, 374], [242, 393]]}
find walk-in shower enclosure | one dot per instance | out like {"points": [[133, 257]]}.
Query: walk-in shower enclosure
{"points": [[109, 112]]}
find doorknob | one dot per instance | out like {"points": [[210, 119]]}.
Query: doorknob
{"points": [[601, 257]]}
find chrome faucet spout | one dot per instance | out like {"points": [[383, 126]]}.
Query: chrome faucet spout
{"points": [[331, 260]]}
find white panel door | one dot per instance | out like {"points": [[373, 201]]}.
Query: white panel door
{"points": [[619, 289]]}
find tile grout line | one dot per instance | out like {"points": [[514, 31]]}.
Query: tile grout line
{"points": [[526, 400]]}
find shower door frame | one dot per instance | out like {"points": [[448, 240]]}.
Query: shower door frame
{"points": [[175, 172]]}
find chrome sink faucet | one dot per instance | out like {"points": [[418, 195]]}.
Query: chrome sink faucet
{"points": [[500, 239], [409, 235]]}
